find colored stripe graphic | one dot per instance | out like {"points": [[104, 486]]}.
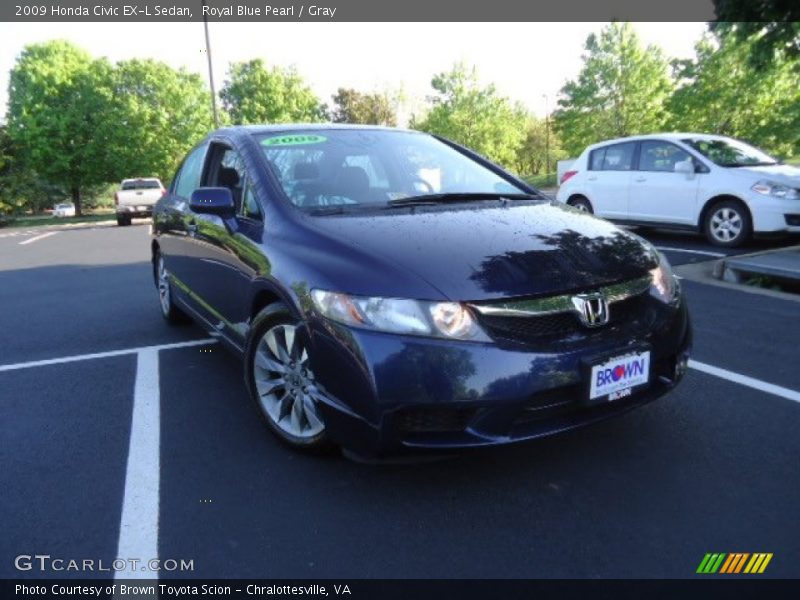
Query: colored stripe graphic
{"points": [[711, 563], [734, 562]]}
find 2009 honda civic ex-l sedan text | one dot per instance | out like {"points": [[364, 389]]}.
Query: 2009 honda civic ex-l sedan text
{"points": [[390, 291]]}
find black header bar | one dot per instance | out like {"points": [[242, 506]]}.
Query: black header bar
{"points": [[354, 10]]}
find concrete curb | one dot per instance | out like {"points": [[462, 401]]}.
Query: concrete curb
{"points": [[710, 273], [734, 274]]}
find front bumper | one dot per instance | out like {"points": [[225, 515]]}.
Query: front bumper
{"points": [[392, 394], [774, 215]]}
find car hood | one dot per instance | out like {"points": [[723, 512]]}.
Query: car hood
{"points": [[475, 252], [783, 174]]}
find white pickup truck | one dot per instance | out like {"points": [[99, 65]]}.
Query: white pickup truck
{"points": [[136, 198]]}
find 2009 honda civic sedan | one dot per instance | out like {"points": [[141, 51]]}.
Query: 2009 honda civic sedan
{"points": [[392, 291]]}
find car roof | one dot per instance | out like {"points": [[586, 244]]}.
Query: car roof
{"points": [[239, 130], [670, 137]]}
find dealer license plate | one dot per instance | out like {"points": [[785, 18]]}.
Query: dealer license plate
{"points": [[616, 377]]}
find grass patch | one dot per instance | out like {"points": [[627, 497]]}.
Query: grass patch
{"points": [[774, 283], [544, 180], [47, 220]]}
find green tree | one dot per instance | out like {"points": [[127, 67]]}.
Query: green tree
{"points": [[720, 91], [772, 26], [539, 147], [157, 114], [58, 102], [473, 115], [352, 106], [254, 94], [621, 90]]}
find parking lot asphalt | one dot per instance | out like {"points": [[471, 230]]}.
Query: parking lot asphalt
{"points": [[160, 450]]}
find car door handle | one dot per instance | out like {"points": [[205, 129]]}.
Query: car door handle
{"points": [[640, 179], [592, 178]]}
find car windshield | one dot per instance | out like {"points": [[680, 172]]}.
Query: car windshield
{"points": [[363, 167], [140, 185], [730, 153]]}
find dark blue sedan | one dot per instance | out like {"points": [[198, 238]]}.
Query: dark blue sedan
{"points": [[390, 291]]}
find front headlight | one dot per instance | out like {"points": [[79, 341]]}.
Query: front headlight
{"points": [[778, 190], [663, 284], [450, 320]]}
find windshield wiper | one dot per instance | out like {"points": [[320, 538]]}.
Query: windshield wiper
{"points": [[459, 197]]}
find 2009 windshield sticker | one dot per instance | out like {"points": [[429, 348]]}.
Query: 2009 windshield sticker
{"points": [[294, 140]]}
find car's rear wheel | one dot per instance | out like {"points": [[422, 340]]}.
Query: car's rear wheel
{"points": [[581, 203], [727, 224], [281, 383], [123, 220], [171, 313]]}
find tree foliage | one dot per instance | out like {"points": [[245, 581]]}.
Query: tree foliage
{"points": [[720, 91], [255, 94], [158, 113], [540, 148], [622, 90], [473, 115], [352, 106], [79, 123], [772, 26], [58, 105]]}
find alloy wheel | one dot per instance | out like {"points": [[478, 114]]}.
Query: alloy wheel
{"points": [[726, 224], [287, 390], [164, 296]]}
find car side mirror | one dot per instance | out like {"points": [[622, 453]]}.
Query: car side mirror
{"points": [[686, 167], [214, 201]]}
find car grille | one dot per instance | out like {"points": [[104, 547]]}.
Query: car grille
{"points": [[630, 312]]}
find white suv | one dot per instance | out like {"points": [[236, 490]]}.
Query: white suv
{"points": [[718, 185]]}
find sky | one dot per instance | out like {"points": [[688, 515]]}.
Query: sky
{"points": [[528, 62]]}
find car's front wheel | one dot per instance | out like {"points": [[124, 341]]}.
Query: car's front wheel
{"points": [[727, 224], [123, 220], [280, 380]]}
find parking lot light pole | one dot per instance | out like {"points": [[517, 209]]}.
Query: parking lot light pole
{"points": [[210, 69]]}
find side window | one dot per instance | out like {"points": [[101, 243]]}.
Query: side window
{"points": [[250, 206], [227, 170], [660, 156], [596, 159], [188, 178], [618, 157]]}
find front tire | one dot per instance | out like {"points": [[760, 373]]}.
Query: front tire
{"points": [[281, 383], [123, 220], [727, 224]]}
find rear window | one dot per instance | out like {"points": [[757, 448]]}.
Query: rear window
{"points": [[617, 157], [141, 184]]}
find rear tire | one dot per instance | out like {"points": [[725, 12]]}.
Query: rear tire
{"points": [[171, 313], [727, 224], [123, 220], [280, 381], [581, 203]]}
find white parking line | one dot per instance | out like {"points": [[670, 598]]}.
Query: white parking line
{"points": [[751, 382], [138, 529], [38, 237], [76, 357], [688, 251]]}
